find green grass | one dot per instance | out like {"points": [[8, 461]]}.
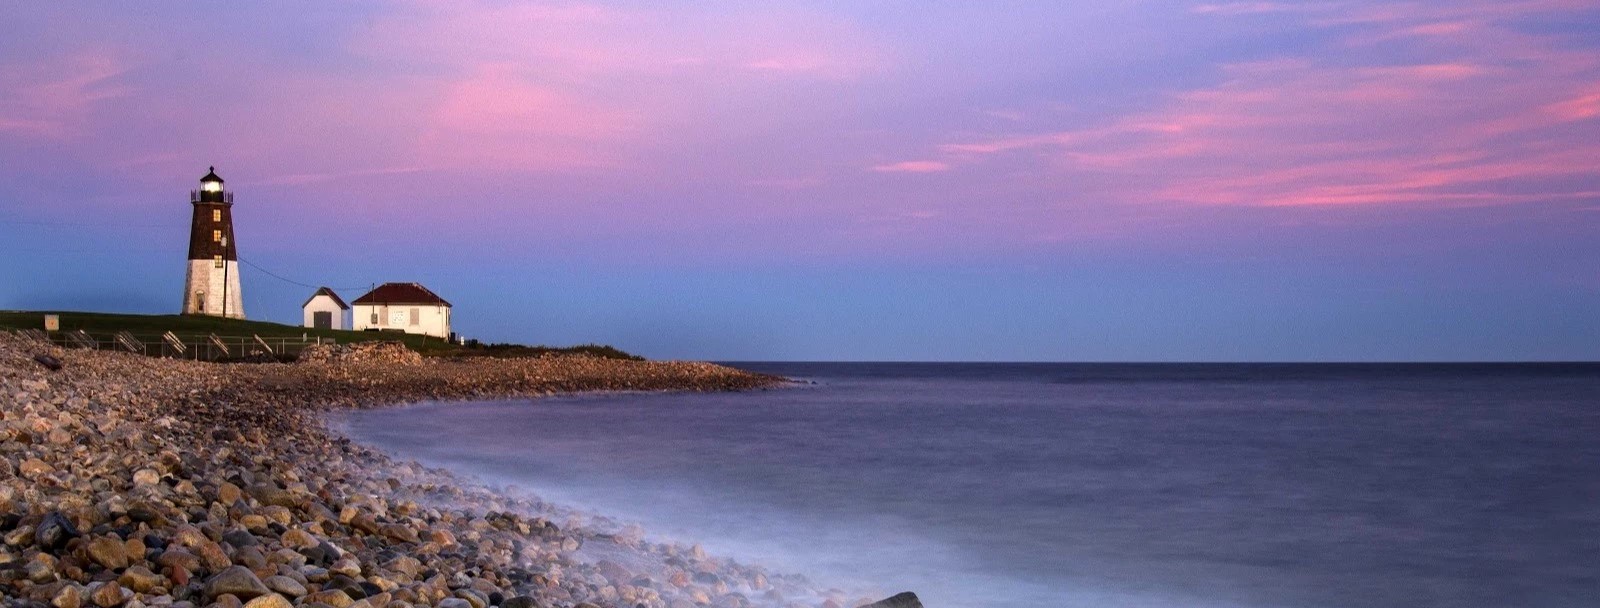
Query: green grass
{"points": [[102, 324]]}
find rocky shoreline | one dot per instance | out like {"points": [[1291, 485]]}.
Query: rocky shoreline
{"points": [[129, 481]]}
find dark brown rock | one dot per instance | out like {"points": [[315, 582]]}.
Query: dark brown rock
{"points": [[53, 533], [49, 362]]}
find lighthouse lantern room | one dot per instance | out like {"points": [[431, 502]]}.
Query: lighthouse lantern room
{"points": [[212, 283]]}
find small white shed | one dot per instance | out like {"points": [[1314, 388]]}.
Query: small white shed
{"points": [[325, 310]]}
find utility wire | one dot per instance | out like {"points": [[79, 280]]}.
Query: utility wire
{"points": [[84, 224], [292, 281], [118, 225]]}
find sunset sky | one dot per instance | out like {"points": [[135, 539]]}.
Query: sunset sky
{"points": [[1342, 180]]}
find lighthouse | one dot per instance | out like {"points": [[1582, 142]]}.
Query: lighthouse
{"points": [[211, 286]]}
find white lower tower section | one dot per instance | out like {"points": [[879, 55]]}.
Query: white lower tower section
{"points": [[203, 289]]}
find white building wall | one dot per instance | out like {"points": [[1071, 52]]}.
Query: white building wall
{"points": [[323, 304], [360, 317], [203, 293], [432, 319]]}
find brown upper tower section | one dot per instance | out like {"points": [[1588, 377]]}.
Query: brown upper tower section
{"points": [[213, 221]]}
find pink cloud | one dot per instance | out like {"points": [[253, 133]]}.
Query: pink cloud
{"points": [[793, 183], [578, 87], [764, 114], [1434, 71], [577, 39], [1433, 19], [52, 99], [1580, 108], [300, 179], [499, 117], [1256, 8], [1502, 117], [913, 166], [1440, 28], [26, 125]]}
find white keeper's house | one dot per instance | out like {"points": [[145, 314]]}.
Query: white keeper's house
{"points": [[325, 310], [407, 307]]}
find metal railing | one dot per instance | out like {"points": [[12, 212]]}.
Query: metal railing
{"points": [[199, 347], [198, 196]]}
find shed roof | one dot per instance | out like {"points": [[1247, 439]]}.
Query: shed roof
{"points": [[401, 293], [325, 291]]}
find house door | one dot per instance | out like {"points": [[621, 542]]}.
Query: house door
{"points": [[322, 320]]}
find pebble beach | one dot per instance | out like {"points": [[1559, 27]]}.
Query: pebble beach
{"points": [[135, 481]]}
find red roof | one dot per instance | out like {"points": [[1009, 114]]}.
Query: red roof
{"points": [[401, 293], [324, 291]]}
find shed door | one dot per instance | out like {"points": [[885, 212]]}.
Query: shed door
{"points": [[322, 320]]}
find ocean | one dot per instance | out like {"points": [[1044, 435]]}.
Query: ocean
{"points": [[1034, 485]]}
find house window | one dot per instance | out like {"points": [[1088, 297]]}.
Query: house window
{"points": [[216, 236], [216, 261], [416, 316], [216, 215], [199, 301]]}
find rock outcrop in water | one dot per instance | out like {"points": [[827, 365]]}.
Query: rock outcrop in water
{"points": [[900, 600], [128, 481]]}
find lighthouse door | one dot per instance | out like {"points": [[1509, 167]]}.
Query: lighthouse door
{"points": [[322, 320]]}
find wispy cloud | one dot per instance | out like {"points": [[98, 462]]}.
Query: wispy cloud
{"points": [[1503, 117], [663, 121], [1584, 107], [52, 99], [1011, 115], [585, 39], [792, 183], [913, 166], [300, 179], [518, 87], [502, 117], [1257, 8]]}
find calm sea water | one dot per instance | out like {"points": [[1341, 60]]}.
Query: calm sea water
{"points": [[1088, 485]]}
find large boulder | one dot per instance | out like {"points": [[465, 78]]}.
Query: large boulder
{"points": [[902, 600]]}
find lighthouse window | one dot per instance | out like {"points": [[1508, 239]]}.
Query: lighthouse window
{"points": [[216, 261], [216, 236], [216, 215], [200, 301]]}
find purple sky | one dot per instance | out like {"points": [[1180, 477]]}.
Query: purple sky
{"points": [[837, 180]]}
